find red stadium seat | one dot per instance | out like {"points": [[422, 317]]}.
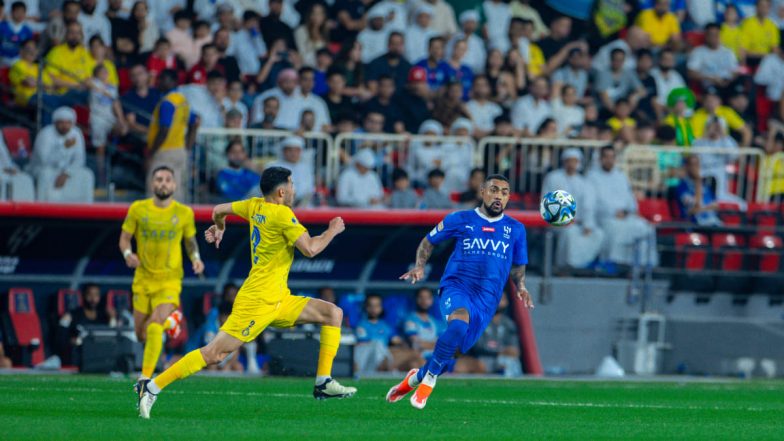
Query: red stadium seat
{"points": [[729, 257], [5, 84], [68, 299], [25, 326], [691, 254], [118, 300], [766, 260], [208, 302], [764, 108], [655, 210], [15, 138], [732, 218], [765, 216]]}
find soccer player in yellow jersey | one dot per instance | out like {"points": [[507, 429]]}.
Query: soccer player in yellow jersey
{"points": [[264, 298], [158, 224]]}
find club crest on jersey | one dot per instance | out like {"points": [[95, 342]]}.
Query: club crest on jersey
{"points": [[174, 220], [488, 229], [507, 231]]}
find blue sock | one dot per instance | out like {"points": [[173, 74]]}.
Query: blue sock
{"points": [[445, 348]]}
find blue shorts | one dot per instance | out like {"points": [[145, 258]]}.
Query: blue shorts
{"points": [[479, 317]]}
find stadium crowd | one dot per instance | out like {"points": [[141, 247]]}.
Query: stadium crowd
{"points": [[621, 72]]}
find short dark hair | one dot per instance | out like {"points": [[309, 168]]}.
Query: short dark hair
{"points": [[497, 177], [215, 75], [95, 38], [17, 4], [169, 74], [271, 98], [272, 178], [182, 15], [385, 77], [476, 170], [665, 133], [398, 174], [208, 46], [376, 296], [162, 167], [434, 39], [435, 173], [608, 147], [306, 69], [232, 143], [712, 25], [502, 119], [615, 51], [324, 51], [89, 285], [394, 34]]}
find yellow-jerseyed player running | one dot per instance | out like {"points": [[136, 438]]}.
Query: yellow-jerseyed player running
{"points": [[158, 225], [264, 298]]}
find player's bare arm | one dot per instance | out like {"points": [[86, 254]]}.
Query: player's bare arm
{"points": [[424, 250], [131, 259], [214, 234], [192, 247], [518, 276], [312, 246]]}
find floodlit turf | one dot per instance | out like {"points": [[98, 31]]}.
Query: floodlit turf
{"points": [[209, 408]]}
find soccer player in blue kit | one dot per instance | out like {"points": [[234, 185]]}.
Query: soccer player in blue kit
{"points": [[488, 247]]}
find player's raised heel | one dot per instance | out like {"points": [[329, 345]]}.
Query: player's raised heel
{"points": [[400, 390], [419, 399], [138, 388], [175, 330], [332, 389], [146, 401]]}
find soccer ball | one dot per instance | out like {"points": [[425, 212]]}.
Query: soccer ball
{"points": [[558, 208]]}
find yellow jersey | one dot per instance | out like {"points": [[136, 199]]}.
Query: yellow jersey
{"points": [[273, 230], [69, 65], [773, 169], [20, 71], [616, 124], [175, 113], [730, 36], [536, 60], [759, 37], [730, 116], [111, 69], [660, 29], [159, 233]]}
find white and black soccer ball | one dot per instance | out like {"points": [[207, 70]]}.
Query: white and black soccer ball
{"points": [[558, 208]]}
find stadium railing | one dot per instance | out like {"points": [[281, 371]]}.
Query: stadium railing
{"points": [[264, 147], [460, 152], [737, 172], [527, 160]]}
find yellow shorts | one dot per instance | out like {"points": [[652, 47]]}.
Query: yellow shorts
{"points": [[246, 323], [148, 294]]}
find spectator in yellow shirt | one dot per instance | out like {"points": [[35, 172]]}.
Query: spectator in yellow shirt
{"points": [[759, 34], [98, 51], [24, 75], [69, 63], [712, 107], [661, 24], [622, 124], [731, 32]]}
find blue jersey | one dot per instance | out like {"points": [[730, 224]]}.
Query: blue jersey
{"points": [[379, 331], [426, 330], [485, 250]]}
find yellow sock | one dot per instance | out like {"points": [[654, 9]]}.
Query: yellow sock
{"points": [[188, 365], [152, 348], [330, 340]]}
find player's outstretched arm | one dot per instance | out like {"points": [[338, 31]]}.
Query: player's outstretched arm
{"points": [[214, 234], [131, 259], [518, 277], [424, 250], [312, 246]]}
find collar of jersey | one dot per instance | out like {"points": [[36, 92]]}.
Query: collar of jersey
{"points": [[489, 219]]}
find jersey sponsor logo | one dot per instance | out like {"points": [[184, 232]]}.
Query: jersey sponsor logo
{"points": [[470, 227], [488, 229], [489, 247], [158, 234], [246, 331]]}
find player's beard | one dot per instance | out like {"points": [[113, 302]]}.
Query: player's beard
{"points": [[493, 212], [162, 194]]}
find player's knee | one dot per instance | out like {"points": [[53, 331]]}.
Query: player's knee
{"points": [[460, 314], [334, 316]]}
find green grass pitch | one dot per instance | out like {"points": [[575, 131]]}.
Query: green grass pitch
{"points": [[212, 408]]}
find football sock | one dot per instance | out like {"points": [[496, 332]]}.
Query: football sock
{"points": [[152, 348], [250, 353], [445, 349], [188, 365], [330, 340]]}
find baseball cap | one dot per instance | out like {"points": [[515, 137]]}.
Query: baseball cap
{"points": [[417, 74]]}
